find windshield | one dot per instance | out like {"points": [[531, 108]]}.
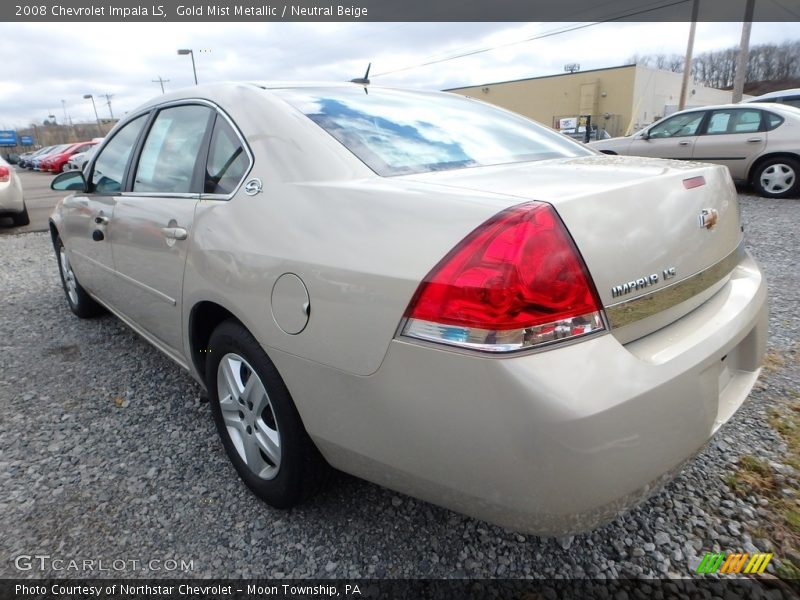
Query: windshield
{"points": [[57, 149], [396, 132]]}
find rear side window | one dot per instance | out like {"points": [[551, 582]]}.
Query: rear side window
{"points": [[109, 168], [227, 160], [773, 120], [733, 120], [169, 155]]}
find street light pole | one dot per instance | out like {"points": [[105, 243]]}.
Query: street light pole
{"points": [[96, 116], [184, 51]]}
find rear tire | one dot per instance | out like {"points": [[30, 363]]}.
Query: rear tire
{"points": [[259, 425], [80, 302], [21, 219], [777, 177]]}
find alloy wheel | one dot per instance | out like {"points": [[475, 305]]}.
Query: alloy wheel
{"points": [[777, 178], [70, 282], [248, 416]]}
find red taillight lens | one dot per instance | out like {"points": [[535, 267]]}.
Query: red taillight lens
{"points": [[516, 281], [5, 174]]}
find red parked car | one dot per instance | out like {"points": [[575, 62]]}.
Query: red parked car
{"points": [[56, 162]]}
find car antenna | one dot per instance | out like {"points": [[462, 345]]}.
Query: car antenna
{"points": [[363, 80]]}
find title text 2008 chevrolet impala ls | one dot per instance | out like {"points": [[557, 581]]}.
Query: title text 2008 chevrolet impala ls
{"points": [[423, 290]]}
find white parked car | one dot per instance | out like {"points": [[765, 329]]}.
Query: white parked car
{"points": [[422, 290], [788, 97], [77, 162], [12, 203]]}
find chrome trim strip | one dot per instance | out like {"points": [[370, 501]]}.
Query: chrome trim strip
{"points": [[635, 309], [93, 261], [187, 195], [157, 343], [178, 102], [146, 288]]}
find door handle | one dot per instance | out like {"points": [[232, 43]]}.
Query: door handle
{"points": [[753, 140], [175, 233], [683, 143]]}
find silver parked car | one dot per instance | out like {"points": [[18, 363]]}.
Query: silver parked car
{"points": [[759, 143], [12, 203], [422, 290]]}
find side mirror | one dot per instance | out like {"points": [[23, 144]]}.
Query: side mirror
{"points": [[71, 181], [644, 136]]}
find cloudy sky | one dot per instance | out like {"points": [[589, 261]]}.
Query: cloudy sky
{"points": [[46, 63]]}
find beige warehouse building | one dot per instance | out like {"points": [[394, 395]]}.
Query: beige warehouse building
{"points": [[619, 99]]}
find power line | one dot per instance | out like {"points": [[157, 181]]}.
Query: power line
{"points": [[535, 37], [786, 8]]}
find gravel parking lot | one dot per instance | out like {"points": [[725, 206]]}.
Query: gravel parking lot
{"points": [[108, 452]]}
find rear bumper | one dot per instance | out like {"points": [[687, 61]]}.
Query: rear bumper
{"points": [[550, 443], [11, 199]]}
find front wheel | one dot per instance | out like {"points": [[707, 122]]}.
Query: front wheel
{"points": [[257, 421], [777, 178], [80, 302]]}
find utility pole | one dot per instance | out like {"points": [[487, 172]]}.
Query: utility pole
{"points": [[687, 63], [108, 98], [744, 51], [160, 81]]}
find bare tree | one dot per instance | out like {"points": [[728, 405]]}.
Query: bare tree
{"points": [[716, 68]]}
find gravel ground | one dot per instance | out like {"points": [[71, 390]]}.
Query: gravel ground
{"points": [[107, 452]]}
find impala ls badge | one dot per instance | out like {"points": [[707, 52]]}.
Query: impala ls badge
{"points": [[642, 282], [253, 187], [708, 218]]}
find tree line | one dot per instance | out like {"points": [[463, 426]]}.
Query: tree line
{"points": [[716, 69]]}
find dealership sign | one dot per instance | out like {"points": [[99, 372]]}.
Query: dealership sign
{"points": [[25, 140], [8, 137]]}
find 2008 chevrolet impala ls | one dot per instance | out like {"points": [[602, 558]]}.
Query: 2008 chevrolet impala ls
{"points": [[422, 290]]}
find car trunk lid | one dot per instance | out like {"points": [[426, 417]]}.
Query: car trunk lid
{"points": [[658, 237]]}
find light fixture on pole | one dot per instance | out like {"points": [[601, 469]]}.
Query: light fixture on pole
{"points": [[183, 52]]}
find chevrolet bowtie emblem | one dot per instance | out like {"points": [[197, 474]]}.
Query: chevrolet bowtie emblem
{"points": [[708, 218]]}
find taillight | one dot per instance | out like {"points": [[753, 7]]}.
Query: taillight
{"points": [[515, 282], [5, 174]]}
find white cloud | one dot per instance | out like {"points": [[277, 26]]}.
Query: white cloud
{"points": [[51, 62]]}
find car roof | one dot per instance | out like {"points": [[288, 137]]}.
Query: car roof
{"points": [[775, 94], [777, 107]]}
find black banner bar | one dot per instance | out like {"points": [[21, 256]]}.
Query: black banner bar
{"points": [[732, 587], [391, 10]]}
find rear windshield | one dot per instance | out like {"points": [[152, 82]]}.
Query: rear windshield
{"points": [[397, 133]]}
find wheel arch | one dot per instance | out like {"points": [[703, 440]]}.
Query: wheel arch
{"points": [[53, 231], [204, 318], [762, 159]]}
